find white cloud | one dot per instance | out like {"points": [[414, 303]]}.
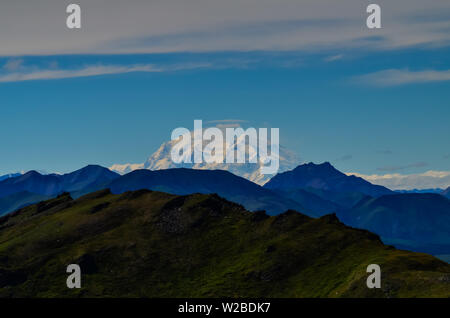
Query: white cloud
{"points": [[427, 180], [393, 77], [34, 73], [226, 123], [136, 26]]}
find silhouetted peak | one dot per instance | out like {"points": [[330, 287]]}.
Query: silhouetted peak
{"points": [[32, 173], [312, 165], [64, 194], [331, 218], [93, 168]]}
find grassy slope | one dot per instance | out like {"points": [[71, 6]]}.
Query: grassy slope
{"points": [[152, 244]]}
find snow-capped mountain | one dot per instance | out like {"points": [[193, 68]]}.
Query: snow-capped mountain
{"points": [[126, 167], [161, 159]]}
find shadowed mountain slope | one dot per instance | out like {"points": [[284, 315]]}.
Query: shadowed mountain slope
{"points": [[183, 181], [18, 200], [419, 222], [87, 179], [311, 201]]}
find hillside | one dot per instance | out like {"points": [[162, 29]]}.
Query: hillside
{"points": [[153, 244]]}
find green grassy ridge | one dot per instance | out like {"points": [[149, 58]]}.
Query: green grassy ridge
{"points": [[153, 244]]}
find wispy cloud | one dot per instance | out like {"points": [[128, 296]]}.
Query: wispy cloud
{"points": [[394, 77], [224, 126], [226, 123], [333, 58], [215, 25], [427, 180], [18, 73]]}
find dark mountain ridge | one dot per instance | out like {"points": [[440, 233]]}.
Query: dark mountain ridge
{"points": [[32, 187], [183, 181], [53, 184], [310, 182]]}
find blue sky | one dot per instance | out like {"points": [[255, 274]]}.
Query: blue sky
{"points": [[323, 109], [380, 107]]}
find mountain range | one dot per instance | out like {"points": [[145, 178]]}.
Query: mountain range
{"points": [[416, 222], [76, 182], [32, 187], [153, 244], [322, 188], [175, 181], [275, 197], [324, 177], [183, 181]]}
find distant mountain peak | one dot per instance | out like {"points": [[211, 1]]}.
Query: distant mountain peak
{"points": [[161, 160], [312, 164], [93, 168], [32, 173], [323, 165], [324, 177]]}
